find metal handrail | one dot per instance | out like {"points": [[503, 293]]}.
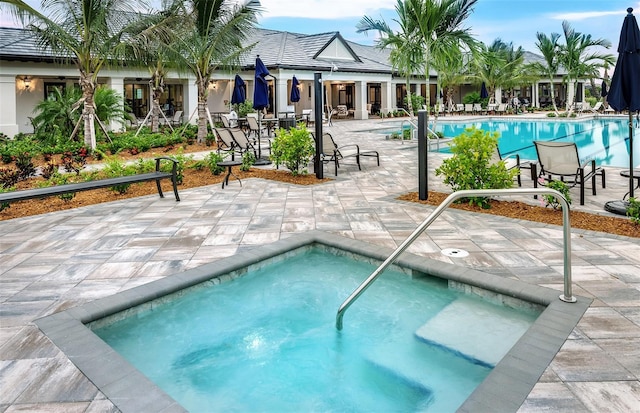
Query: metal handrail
{"points": [[566, 296]]}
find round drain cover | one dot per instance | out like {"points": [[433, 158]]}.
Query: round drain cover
{"points": [[455, 252]]}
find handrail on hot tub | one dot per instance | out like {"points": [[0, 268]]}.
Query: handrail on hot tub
{"points": [[566, 296]]}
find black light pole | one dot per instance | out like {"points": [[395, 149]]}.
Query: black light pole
{"points": [[317, 90], [423, 170]]}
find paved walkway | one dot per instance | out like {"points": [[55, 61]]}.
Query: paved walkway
{"points": [[55, 261]]}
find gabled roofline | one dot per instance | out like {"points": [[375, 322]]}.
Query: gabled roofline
{"points": [[338, 36]]}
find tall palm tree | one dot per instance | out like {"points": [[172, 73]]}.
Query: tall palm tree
{"points": [[549, 47], [439, 28], [211, 39], [577, 58], [513, 70], [406, 54], [490, 66], [93, 33]]}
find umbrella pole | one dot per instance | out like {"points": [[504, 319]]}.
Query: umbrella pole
{"points": [[631, 154]]}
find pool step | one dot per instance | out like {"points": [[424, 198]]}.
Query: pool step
{"points": [[475, 329]]}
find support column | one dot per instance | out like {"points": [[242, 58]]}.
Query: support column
{"points": [[361, 101], [282, 95], [387, 97], [117, 84], [8, 121], [190, 103]]}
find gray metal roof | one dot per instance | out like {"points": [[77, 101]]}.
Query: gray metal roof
{"points": [[277, 49]]}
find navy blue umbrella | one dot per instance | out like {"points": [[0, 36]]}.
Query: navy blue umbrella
{"points": [[261, 88], [238, 95], [603, 89], [624, 91], [483, 91], [260, 99], [295, 91]]}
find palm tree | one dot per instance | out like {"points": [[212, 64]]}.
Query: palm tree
{"points": [[489, 65], [513, 69], [576, 58], [93, 33], [549, 47], [211, 39], [406, 55], [438, 24]]}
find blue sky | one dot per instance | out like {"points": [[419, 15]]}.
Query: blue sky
{"points": [[514, 21]]}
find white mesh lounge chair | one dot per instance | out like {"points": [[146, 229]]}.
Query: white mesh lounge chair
{"points": [[332, 153], [243, 142], [510, 162], [596, 108], [226, 143], [560, 159]]}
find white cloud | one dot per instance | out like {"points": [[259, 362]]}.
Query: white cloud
{"points": [[324, 9], [585, 15]]}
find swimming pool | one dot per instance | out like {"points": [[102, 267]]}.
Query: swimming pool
{"points": [[504, 388], [604, 140]]}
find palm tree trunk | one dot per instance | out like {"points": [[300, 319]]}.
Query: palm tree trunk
{"points": [[202, 110], [553, 97], [88, 112]]}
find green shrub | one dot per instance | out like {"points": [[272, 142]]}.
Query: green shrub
{"points": [[417, 102], [473, 97], [633, 210], [213, 160], [560, 187], [472, 166], [58, 179], [551, 114], [248, 159], [294, 148], [243, 108], [114, 169]]}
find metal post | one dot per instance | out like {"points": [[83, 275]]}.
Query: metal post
{"points": [[423, 170], [317, 89], [631, 165]]}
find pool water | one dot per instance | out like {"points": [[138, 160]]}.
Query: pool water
{"points": [[267, 341], [603, 140]]}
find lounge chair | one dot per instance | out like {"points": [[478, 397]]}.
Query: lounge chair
{"points": [[332, 153], [501, 109], [342, 111], [596, 108], [255, 128], [245, 144], [306, 116], [177, 118], [468, 109], [560, 159], [510, 162], [477, 108], [226, 142]]}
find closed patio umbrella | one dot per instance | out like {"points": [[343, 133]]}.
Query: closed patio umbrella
{"points": [[260, 99], [238, 95], [483, 91], [295, 91], [624, 91], [603, 89]]}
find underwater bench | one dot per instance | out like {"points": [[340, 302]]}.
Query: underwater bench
{"points": [[157, 176]]}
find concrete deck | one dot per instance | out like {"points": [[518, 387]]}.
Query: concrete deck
{"points": [[59, 260]]}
